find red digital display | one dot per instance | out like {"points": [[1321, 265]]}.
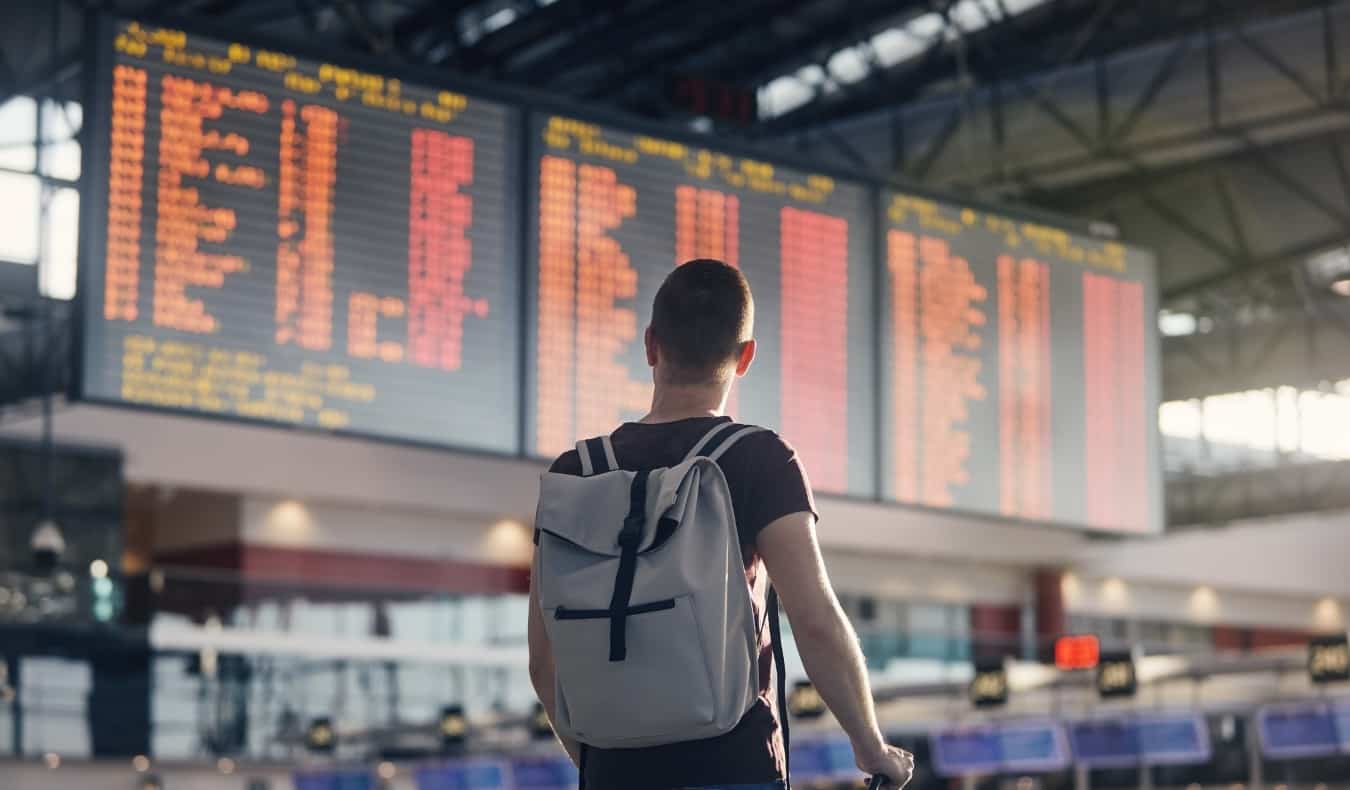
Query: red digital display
{"points": [[1077, 652], [1019, 370], [616, 211], [300, 242]]}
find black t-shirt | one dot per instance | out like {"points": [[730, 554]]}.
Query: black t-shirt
{"points": [[767, 482]]}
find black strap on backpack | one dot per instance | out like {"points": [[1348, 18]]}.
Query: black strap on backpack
{"points": [[779, 669]]}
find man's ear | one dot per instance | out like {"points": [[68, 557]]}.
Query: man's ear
{"points": [[746, 358], [649, 340]]}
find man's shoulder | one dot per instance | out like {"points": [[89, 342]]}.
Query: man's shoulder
{"points": [[763, 443], [569, 463]]}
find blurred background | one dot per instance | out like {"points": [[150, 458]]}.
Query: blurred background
{"points": [[300, 297]]}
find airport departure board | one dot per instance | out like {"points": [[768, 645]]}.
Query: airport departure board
{"points": [[1019, 369], [613, 212], [294, 241]]}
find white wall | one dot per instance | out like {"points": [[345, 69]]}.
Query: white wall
{"points": [[359, 528], [1201, 604], [947, 581], [1298, 555]]}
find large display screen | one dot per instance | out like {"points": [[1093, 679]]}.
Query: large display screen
{"points": [[287, 240], [1019, 369], [614, 212], [294, 241]]}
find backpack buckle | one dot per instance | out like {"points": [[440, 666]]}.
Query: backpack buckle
{"points": [[631, 534]]}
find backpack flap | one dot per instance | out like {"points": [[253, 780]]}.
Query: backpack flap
{"points": [[580, 519]]}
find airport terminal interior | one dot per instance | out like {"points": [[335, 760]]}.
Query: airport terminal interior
{"points": [[298, 299]]}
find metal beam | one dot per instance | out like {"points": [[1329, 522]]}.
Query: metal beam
{"points": [[1167, 68], [728, 22], [821, 38], [62, 66], [1183, 223], [1223, 186], [438, 17], [559, 19], [1292, 254], [1276, 62], [938, 143], [1016, 52], [1295, 186], [624, 28]]}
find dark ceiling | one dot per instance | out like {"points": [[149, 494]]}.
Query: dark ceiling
{"points": [[623, 52]]}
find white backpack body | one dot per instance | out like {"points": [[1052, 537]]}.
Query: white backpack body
{"points": [[644, 596]]}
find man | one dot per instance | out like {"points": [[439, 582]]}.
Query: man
{"points": [[698, 342]]}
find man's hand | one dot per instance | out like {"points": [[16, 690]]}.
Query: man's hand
{"points": [[897, 765]]}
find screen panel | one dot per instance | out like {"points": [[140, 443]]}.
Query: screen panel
{"points": [[294, 241], [614, 212], [1019, 369]]}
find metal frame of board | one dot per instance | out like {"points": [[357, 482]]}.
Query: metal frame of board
{"points": [[524, 104]]}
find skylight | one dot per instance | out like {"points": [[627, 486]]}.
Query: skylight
{"points": [[883, 50]]}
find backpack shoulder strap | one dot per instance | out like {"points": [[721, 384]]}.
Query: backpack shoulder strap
{"points": [[780, 670], [597, 456], [720, 439]]}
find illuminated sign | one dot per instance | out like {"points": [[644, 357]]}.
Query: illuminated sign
{"points": [[1012, 747], [1329, 659], [453, 727], [540, 726], [1116, 676], [1077, 652], [321, 737], [805, 702], [1158, 739], [989, 687]]}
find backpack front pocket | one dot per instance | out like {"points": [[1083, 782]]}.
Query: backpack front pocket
{"points": [[661, 687]]}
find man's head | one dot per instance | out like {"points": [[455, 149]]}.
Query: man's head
{"points": [[702, 321]]}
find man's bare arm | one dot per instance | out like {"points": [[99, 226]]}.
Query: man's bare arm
{"points": [[827, 642]]}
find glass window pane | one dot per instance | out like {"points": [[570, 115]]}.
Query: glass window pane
{"points": [[20, 196], [18, 123], [56, 277], [61, 153]]}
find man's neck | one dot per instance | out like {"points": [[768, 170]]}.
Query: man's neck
{"points": [[681, 403]]}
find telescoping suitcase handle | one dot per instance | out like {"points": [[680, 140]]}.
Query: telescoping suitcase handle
{"points": [[877, 781]]}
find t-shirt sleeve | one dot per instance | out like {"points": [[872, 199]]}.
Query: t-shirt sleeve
{"points": [[775, 483], [569, 463]]}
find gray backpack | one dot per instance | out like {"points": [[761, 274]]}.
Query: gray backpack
{"points": [[644, 595]]}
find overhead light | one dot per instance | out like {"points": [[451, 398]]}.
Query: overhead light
{"points": [[321, 738], [540, 726], [98, 569], [453, 727], [805, 702], [989, 687], [1177, 324], [1331, 270]]}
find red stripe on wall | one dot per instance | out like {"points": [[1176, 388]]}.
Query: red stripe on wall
{"points": [[338, 570]]}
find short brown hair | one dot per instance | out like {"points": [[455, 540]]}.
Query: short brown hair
{"points": [[702, 316]]}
